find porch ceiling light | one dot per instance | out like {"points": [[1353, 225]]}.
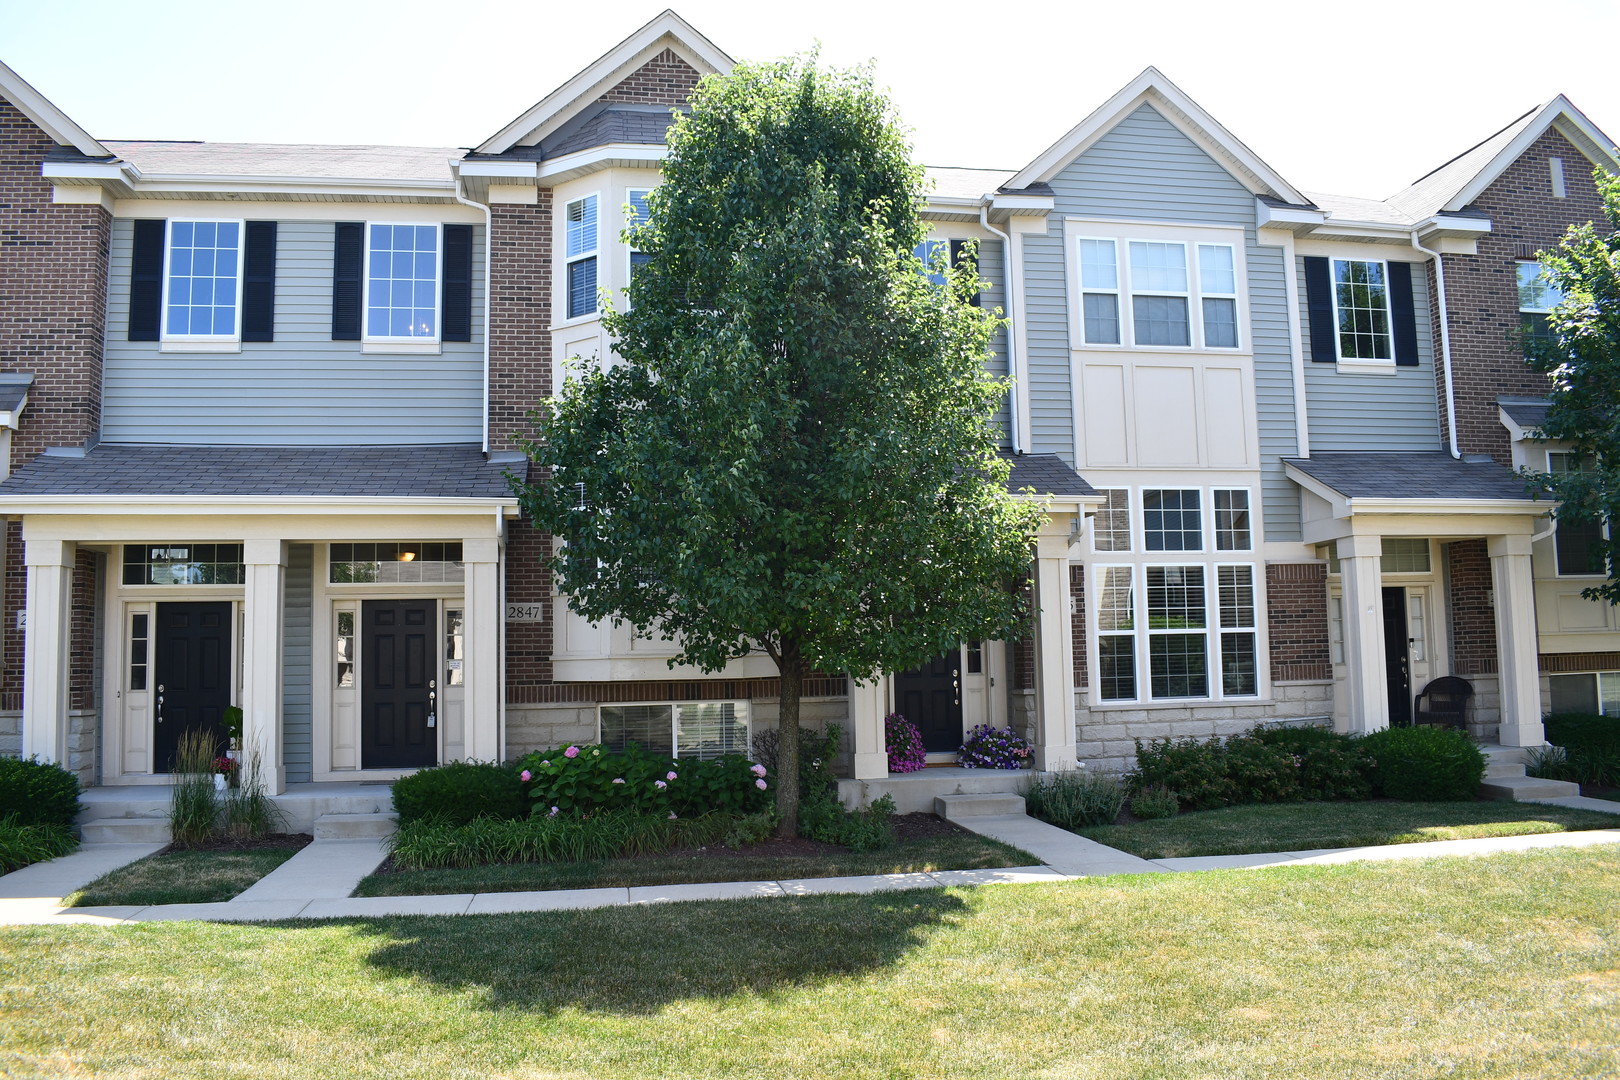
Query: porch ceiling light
{"points": [[407, 556]]}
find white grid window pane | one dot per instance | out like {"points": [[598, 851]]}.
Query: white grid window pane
{"points": [[1216, 274], [1362, 295], [1236, 587], [1115, 603], [1175, 597], [204, 261], [581, 287], [710, 729], [1099, 267], [1240, 674], [581, 239], [1404, 555], [1220, 323], [1232, 532], [1178, 666], [1161, 320], [1172, 521], [1116, 663], [403, 282], [1111, 529], [1336, 629], [1535, 292], [1102, 318], [1158, 267]]}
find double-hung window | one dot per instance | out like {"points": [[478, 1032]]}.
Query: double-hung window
{"points": [[1537, 298], [1217, 285], [402, 282], [202, 283], [580, 241], [1178, 632], [1160, 293], [1148, 294], [639, 215], [1361, 310], [1577, 545]]}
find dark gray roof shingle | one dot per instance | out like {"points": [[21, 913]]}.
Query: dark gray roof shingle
{"points": [[435, 472], [1048, 474], [1527, 412], [13, 388], [1434, 475]]}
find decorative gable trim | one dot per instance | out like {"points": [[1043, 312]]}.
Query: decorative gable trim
{"points": [[666, 32], [1562, 116], [51, 120], [1152, 88]]}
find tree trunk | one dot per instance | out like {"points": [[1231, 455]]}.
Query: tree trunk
{"points": [[791, 666]]}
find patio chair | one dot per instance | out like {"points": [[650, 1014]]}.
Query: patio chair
{"points": [[1444, 703]]}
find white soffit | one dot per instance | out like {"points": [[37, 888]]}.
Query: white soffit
{"points": [[51, 120], [667, 31], [1152, 88], [1559, 114]]}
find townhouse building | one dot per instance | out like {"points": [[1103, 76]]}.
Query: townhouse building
{"points": [[261, 404]]}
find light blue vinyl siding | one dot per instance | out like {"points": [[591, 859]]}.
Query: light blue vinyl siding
{"points": [[303, 388], [296, 654], [1374, 412], [1145, 169], [993, 269]]}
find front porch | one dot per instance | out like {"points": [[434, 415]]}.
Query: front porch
{"points": [[140, 813]]}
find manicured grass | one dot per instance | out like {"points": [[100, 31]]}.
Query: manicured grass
{"points": [[1507, 966], [1237, 830], [181, 877], [907, 857]]}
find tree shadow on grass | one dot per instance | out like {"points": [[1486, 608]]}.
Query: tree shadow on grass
{"points": [[636, 960]]}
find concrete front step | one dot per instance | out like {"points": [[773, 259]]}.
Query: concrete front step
{"points": [[956, 807], [355, 826], [130, 830], [1521, 788], [1495, 768]]}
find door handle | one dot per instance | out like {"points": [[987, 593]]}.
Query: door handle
{"points": [[433, 699], [160, 703]]}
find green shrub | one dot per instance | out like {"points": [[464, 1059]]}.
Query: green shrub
{"points": [[1425, 764], [460, 791], [818, 754], [1331, 765], [1075, 799], [751, 829], [434, 843], [38, 792], [1152, 803], [22, 843], [193, 799], [1549, 763], [824, 818], [581, 780], [1591, 744], [1260, 772], [1194, 770]]}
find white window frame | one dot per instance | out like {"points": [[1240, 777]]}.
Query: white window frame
{"points": [[565, 290], [1195, 329], [1214, 523], [1253, 629], [1098, 572], [1379, 362], [438, 290], [1117, 292], [1603, 530], [1205, 520], [1205, 293], [1145, 664], [1130, 523], [168, 251], [630, 250], [742, 706]]}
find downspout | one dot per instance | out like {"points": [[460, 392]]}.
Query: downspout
{"points": [[1445, 342], [1012, 327], [489, 255]]}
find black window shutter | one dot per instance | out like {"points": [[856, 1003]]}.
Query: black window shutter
{"points": [[146, 280], [1404, 313], [456, 296], [958, 253], [259, 282], [348, 256], [1319, 307]]}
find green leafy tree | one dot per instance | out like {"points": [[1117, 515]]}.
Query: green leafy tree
{"points": [[1581, 357], [796, 454]]}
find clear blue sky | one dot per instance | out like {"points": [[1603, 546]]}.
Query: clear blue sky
{"points": [[1357, 99]]}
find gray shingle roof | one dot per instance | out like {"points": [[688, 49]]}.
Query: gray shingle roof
{"points": [[13, 388], [345, 471], [1048, 474], [1527, 412], [1351, 208], [1434, 475], [1427, 195], [954, 183], [429, 164]]}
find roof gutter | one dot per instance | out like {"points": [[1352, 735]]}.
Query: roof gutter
{"points": [[489, 254], [1445, 343], [1010, 268]]}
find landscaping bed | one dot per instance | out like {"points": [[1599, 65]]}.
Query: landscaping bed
{"points": [[923, 843], [207, 872], [1304, 826]]}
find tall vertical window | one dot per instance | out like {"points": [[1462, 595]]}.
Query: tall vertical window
{"points": [[402, 282], [1537, 298], [203, 285], [1172, 520], [1178, 654], [1240, 675], [931, 252], [580, 256], [1217, 284], [1099, 284], [343, 647], [1577, 545], [139, 649], [639, 215], [1361, 307], [1160, 293], [1116, 634], [1232, 532], [1111, 528], [455, 638]]}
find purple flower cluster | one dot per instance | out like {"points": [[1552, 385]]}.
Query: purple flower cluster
{"points": [[904, 744], [993, 748]]}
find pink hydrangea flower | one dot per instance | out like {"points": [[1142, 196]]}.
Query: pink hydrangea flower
{"points": [[757, 770], [760, 784], [669, 776], [618, 779], [572, 751], [660, 785], [546, 763], [525, 776], [554, 812], [672, 815]]}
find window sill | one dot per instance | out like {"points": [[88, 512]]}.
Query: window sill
{"points": [[1178, 703], [200, 346], [578, 320], [1366, 367], [422, 348]]}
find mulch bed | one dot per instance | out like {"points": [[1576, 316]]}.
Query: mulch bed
{"points": [[278, 841]]}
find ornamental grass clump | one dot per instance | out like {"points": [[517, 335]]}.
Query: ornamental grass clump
{"points": [[1075, 798], [989, 747], [22, 843], [193, 800], [904, 743]]}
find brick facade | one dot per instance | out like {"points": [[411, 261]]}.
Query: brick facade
{"points": [[1297, 621], [666, 79], [1473, 616], [1077, 621], [519, 317], [1482, 289]]}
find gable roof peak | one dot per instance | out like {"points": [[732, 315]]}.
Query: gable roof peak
{"points": [[51, 120]]}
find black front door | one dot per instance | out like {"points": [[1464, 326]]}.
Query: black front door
{"points": [[1396, 666], [398, 686], [192, 675], [931, 698]]}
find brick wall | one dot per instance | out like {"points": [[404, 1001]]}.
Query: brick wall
{"points": [[1563, 663], [1297, 621], [666, 79], [1472, 617], [519, 314], [1077, 620], [1482, 289]]}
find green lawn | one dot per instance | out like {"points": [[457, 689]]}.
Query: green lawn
{"points": [[181, 877], [965, 852], [1506, 966], [1236, 830]]}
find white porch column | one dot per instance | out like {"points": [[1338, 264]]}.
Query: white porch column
{"points": [[263, 607], [46, 647], [870, 756], [482, 667], [1366, 682], [1518, 668], [1053, 737]]}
